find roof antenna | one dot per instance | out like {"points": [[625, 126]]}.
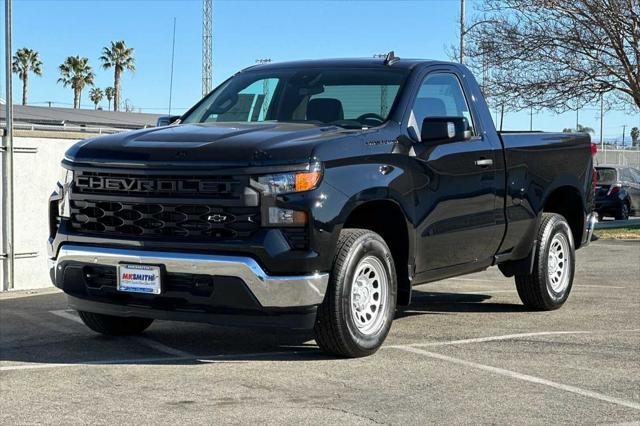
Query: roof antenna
{"points": [[390, 58]]}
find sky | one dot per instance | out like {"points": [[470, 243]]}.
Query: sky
{"points": [[243, 31]]}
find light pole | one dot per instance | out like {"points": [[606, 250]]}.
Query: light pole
{"points": [[8, 256], [462, 31]]}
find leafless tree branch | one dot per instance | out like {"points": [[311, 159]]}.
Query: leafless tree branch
{"points": [[556, 54]]}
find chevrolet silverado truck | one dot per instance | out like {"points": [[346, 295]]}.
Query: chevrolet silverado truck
{"points": [[313, 195]]}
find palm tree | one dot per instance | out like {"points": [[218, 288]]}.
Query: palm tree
{"points": [[76, 73], [585, 129], [635, 136], [26, 60], [96, 96], [109, 93], [580, 129], [119, 57]]}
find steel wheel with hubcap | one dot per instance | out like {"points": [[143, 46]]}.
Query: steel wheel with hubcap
{"points": [[557, 263], [369, 295]]}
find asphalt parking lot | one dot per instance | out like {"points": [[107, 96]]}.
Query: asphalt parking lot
{"points": [[466, 351]]}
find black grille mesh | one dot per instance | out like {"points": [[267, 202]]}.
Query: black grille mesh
{"points": [[160, 220]]}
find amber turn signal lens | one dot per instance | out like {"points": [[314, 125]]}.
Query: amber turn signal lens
{"points": [[307, 180]]}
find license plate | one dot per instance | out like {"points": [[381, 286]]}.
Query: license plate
{"points": [[139, 279]]}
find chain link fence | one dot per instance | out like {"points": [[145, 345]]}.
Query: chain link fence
{"points": [[623, 157]]}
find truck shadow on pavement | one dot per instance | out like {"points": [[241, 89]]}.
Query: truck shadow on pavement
{"points": [[424, 303], [40, 330]]}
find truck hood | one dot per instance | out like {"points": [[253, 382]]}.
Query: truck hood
{"points": [[224, 144]]}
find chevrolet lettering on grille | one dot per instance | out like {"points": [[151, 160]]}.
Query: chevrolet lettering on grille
{"points": [[98, 183]]}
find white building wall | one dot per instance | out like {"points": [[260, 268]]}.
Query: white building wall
{"points": [[35, 177]]}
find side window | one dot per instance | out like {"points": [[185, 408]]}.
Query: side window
{"points": [[252, 104], [440, 95], [635, 173]]}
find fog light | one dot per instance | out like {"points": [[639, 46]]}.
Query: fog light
{"points": [[278, 216]]}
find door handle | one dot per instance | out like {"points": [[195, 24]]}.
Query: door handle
{"points": [[484, 162]]}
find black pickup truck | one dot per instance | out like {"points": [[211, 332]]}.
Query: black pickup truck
{"points": [[314, 195]]}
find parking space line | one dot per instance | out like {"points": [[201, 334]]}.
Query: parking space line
{"points": [[88, 363], [488, 339], [524, 377], [204, 359], [161, 347], [598, 286], [67, 314], [44, 324]]}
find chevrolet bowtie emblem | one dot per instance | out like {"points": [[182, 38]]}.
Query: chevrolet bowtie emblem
{"points": [[217, 218]]}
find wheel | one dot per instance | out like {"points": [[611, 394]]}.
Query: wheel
{"points": [[114, 326], [623, 212], [357, 311], [549, 285]]}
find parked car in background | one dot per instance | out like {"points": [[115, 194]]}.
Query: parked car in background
{"points": [[617, 191]]}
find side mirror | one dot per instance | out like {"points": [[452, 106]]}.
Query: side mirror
{"points": [[445, 129], [165, 120]]}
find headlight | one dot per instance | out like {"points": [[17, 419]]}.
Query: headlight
{"points": [[282, 183], [66, 177], [64, 185]]}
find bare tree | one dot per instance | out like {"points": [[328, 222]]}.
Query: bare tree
{"points": [[556, 53]]}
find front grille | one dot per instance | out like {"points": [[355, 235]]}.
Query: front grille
{"points": [[167, 186], [162, 220]]}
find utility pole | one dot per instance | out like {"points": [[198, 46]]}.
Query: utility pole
{"points": [[462, 31], [265, 88], [531, 119], [207, 39], [601, 121], [173, 54], [383, 90], [7, 253], [624, 129], [577, 114]]}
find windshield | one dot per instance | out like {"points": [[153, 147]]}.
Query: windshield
{"points": [[606, 176], [355, 97]]}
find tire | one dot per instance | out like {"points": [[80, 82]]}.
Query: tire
{"points": [[114, 326], [623, 212], [549, 285], [347, 324]]}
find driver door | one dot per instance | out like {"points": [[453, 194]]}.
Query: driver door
{"points": [[455, 182]]}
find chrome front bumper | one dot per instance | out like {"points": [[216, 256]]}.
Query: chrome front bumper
{"points": [[270, 291]]}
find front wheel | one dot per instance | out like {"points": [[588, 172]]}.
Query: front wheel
{"points": [[549, 285], [358, 309], [114, 326]]}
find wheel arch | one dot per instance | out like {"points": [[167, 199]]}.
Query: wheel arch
{"points": [[566, 200], [387, 218]]}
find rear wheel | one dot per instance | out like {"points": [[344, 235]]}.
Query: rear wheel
{"points": [[623, 212], [549, 285], [356, 314], [114, 326]]}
